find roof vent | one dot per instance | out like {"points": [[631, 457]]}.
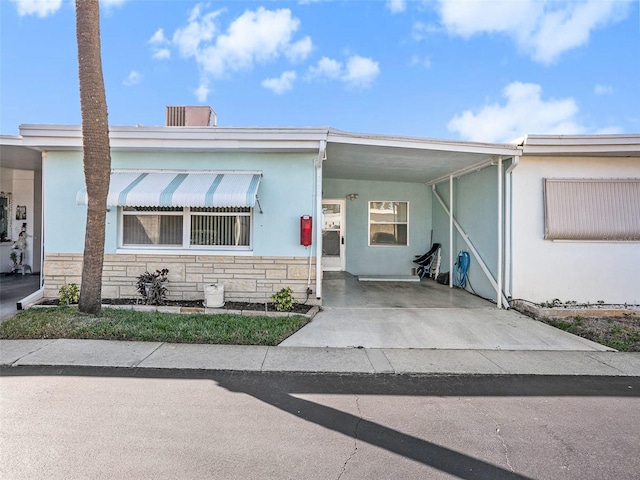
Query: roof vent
{"points": [[191, 117]]}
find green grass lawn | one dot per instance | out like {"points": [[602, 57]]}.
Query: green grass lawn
{"points": [[116, 324]]}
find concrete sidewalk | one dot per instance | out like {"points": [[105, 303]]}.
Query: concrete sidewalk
{"points": [[154, 355]]}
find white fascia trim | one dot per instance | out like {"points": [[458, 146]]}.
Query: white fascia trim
{"points": [[69, 137], [422, 143], [582, 144], [11, 140]]}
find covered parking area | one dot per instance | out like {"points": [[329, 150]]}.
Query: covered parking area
{"points": [[430, 179]]}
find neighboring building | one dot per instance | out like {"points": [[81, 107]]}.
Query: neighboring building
{"points": [[224, 205]]}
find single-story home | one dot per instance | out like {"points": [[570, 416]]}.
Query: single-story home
{"points": [[544, 217]]}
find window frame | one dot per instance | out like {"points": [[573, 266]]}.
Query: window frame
{"points": [[369, 223], [186, 246]]}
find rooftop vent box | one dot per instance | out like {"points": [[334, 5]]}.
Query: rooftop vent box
{"points": [[191, 117]]}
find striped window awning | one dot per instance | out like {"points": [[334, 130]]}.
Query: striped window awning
{"points": [[180, 189]]}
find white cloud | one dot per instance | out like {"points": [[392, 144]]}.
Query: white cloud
{"points": [[158, 38], [420, 30], [159, 48], [397, 6], [603, 90], [199, 29], [255, 37], [421, 61], [134, 78], [523, 112], [326, 67], [299, 50], [40, 8], [282, 84], [359, 72], [161, 53], [202, 92], [544, 29]]}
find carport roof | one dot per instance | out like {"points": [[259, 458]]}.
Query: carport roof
{"points": [[406, 159], [354, 156]]}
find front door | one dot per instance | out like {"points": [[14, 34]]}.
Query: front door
{"points": [[333, 233]]}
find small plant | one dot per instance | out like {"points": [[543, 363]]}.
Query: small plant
{"points": [[153, 286], [283, 300], [69, 294], [14, 257]]}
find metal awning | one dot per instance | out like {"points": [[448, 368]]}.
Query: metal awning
{"points": [[129, 188]]}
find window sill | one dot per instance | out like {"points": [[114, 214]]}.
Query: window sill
{"points": [[169, 251]]}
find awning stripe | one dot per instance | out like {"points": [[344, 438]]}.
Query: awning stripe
{"points": [[122, 197], [166, 196], [208, 198], [180, 189]]}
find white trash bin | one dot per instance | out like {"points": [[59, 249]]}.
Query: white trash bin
{"points": [[214, 295]]}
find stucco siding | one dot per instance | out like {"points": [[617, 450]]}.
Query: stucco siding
{"points": [[569, 270], [362, 259], [475, 207], [286, 192]]}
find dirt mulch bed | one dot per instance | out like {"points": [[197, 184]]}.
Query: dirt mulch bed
{"points": [[621, 333], [258, 307]]}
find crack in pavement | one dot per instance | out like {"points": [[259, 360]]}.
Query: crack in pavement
{"points": [[497, 433], [355, 439]]}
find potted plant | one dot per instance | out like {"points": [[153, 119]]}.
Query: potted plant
{"points": [[153, 286]]}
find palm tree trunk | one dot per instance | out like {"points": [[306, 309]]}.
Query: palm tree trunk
{"points": [[96, 151]]}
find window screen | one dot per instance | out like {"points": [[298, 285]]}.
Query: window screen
{"points": [[592, 209]]}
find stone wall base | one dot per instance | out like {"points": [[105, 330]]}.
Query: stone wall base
{"points": [[245, 279]]}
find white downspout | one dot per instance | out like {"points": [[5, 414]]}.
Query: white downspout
{"points": [[322, 152], [500, 200], [507, 225]]}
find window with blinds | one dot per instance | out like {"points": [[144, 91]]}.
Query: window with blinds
{"points": [[592, 209], [187, 227], [388, 223]]}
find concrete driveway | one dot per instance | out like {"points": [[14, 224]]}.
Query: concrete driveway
{"points": [[422, 315], [14, 288]]}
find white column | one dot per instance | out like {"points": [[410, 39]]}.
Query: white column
{"points": [[318, 220], [450, 231], [500, 202]]}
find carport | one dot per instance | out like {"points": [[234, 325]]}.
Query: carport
{"points": [[355, 160]]}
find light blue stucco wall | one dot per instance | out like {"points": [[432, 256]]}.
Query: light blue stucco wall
{"points": [[475, 207], [361, 259], [286, 192]]}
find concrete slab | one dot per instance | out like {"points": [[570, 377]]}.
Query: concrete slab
{"points": [[91, 353], [433, 328], [441, 361], [13, 350], [550, 363], [626, 362], [328, 360], [379, 361], [206, 357]]}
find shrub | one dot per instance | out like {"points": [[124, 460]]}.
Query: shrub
{"points": [[153, 287], [283, 300], [69, 294]]}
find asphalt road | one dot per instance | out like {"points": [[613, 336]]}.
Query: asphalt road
{"points": [[108, 423]]}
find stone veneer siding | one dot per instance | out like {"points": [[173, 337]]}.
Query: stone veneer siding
{"points": [[245, 279]]}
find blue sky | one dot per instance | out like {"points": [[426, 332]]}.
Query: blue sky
{"points": [[483, 70]]}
